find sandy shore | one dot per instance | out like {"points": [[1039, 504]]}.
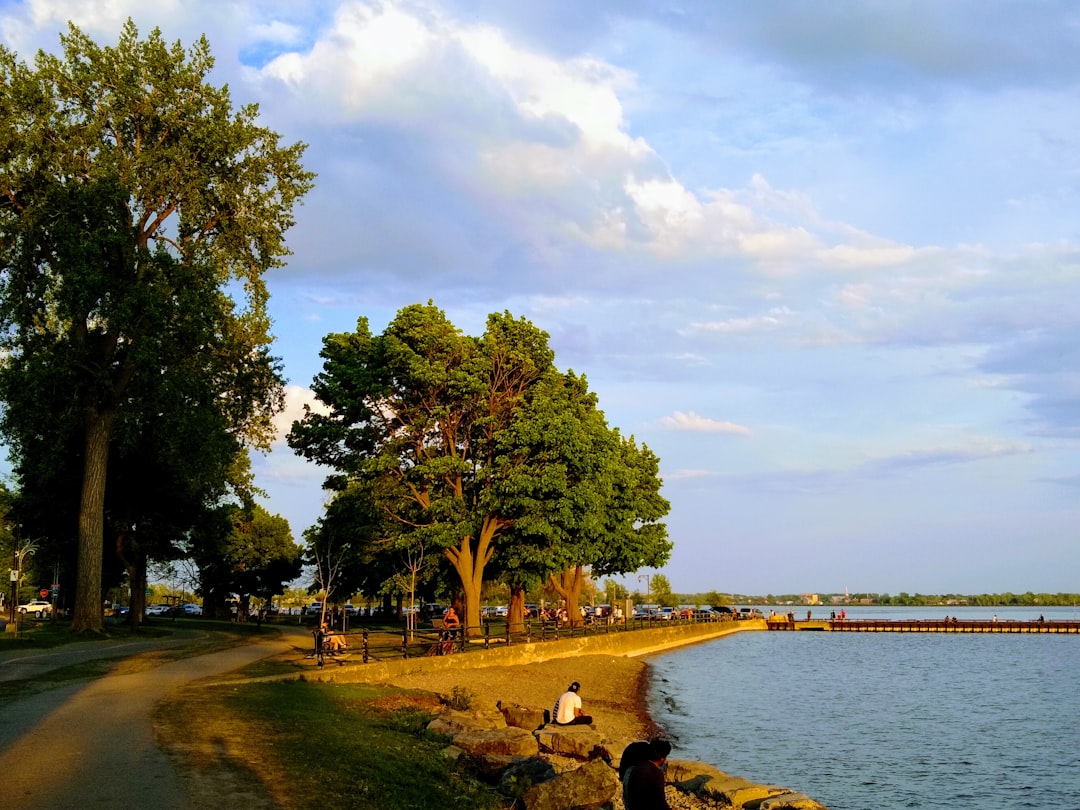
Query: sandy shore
{"points": [[613, 689]]}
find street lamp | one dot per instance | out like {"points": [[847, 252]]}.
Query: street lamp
{"points": [[20, 555], [648, 589]]}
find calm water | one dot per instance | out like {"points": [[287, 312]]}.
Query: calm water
{"points": [[872, 721]]}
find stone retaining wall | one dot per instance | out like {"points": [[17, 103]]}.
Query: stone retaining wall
{"points": [[629, 643]]}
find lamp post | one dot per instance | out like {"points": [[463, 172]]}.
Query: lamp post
{"points": [[648, 589], [20, 555]]}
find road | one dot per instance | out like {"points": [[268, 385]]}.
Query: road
{"points": [[90, 744]]}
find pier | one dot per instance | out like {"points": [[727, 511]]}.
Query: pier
{"points": [[926, 625]]}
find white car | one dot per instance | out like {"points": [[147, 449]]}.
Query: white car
{"points": [[39, 607]]}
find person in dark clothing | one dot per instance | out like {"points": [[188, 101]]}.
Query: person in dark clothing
{"points": [[639, 751], [643, 783]]}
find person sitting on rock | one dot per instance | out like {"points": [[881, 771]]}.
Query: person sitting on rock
{"points": [[643, 783], [567, 711]]}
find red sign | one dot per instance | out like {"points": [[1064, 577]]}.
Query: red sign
{"points": [[44, 592]]}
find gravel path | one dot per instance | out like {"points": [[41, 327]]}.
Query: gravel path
{"points": [[91, 745]]}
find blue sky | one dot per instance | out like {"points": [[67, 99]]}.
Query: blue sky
{"points": [[823, 258]]}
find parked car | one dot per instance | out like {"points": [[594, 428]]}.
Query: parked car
{"points": [[749, 613], [664, 614], [352, 610], [191, 609], [39, 607], [313, 609]]}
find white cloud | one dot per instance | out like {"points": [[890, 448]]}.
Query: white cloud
{"points": [[296, 397], [701, 424]]}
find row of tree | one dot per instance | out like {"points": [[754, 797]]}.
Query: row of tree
{"points": [[459, 459]]}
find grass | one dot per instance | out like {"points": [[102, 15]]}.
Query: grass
{"points": [[46, 635], [321, 745]]}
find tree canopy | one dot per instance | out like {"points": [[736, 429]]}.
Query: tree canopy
{"points": [[136, 206], [478, 447]]}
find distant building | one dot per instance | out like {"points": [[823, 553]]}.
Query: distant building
{"points": [[810, 599]]}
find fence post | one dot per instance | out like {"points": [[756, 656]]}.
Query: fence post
{"points": [[364, 645], [404, 644], [487, 635]]}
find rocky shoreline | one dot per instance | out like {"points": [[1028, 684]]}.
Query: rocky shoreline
{"points": [[504, 724]]}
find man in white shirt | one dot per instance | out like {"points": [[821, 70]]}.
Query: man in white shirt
{"points": [[567, 711]]}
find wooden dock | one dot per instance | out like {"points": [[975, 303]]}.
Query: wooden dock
{"points": [[927, 625]]}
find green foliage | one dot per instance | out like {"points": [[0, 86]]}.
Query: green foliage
{"points": [[460, 699], [132, 197], [478, 449], [660, 588]]}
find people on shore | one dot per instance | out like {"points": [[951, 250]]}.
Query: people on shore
{"points": [[643, 782], [567, 711], [450, 620]]}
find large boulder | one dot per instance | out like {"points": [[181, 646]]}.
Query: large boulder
{"points": [[581, 742], [515, 714], [453, 722], [706, 782], [593, 785], [791, 801], [523, 774], [512, 742]]}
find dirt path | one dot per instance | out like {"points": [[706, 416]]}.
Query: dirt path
{"points": [[91, 745]]}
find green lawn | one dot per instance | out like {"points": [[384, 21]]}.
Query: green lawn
{"points": [[318, 745]]}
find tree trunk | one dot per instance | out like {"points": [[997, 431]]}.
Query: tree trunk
{"points": [[470, 570], [135, 564], [515, 614], [568, 584], [88, 613]]}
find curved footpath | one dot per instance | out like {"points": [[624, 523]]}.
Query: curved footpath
{"points": [[90, 744]]}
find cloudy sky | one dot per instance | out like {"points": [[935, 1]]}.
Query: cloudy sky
{"points": [[821, 257]]}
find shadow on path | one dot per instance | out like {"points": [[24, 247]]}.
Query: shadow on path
{"points": [[91, 744]]}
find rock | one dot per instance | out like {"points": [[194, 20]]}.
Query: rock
{"points": [[524, 774], [791, 801], [508, 741], [705, 781], [582, 742], [593, 785], [527, 717], [685, 770], [454, 722]]}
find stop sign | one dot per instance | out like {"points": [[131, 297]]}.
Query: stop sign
{"points": [[44, 592]]}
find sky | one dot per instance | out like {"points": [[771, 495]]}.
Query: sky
{"points": [[822, 258]]}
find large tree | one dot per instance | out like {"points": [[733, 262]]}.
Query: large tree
{"points": [[130, 191], [598, 491], [468, 444]]}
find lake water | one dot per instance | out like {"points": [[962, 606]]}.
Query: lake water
{"points": [[873, 721]]}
